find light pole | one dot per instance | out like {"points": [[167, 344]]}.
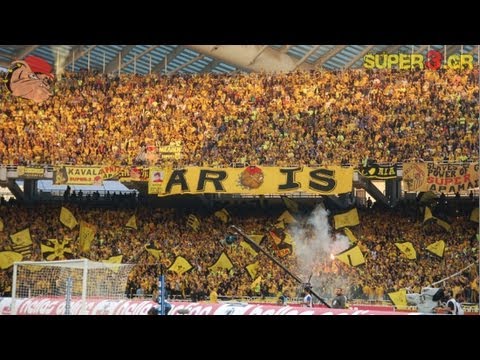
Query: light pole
{"points": [[278, 263]]}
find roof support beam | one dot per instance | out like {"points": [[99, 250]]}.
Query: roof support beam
{"points": [[329, 54], [285, 49], [241, 56], [258, 54], [161, 65], [20, 54], [392, 48], [421, 49], [113, 64], [199, 57], [143, 53], [306, 56], [359, 56], [210, 66], [452, 49], [76, 53]]}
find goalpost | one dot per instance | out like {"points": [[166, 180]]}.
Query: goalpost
{"points": [[70, 280]]}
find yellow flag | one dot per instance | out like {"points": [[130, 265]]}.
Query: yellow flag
{"points": [[22, 238], [7, 258], [155, 252], [350, 218], [399, 298], [86, 236], [257, 239], [180, 265], [427, 197], [277, 235], [255, 286], [473, 216], [437, 248], [352, 256], [2, 226], [132, 222], [287, 218], [252, 269], [67, 218], [247, 247], [223, 262], [193, 222], [290, 204], [52, 249], [408, 249], [444, 224], [428, 214], [350, 235], [223, 215], [113, 261], [279, 225]]}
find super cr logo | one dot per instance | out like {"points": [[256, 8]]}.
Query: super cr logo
{"points": [[433, 61]]}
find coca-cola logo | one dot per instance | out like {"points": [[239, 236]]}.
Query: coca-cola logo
{"points": [[56, 306]]}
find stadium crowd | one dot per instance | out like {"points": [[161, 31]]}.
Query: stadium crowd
{"points": [[316, 117], [299, 118], [166, 230]]}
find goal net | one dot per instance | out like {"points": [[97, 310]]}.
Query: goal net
{"points": [[75, 280]]}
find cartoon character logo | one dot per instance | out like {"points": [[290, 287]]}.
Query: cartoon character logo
{"points": [[29, 79], [414, 176], [60, 176], [252, 177]]}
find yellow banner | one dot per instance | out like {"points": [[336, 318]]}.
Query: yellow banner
{"points": [[352, 256], [180, 265], [350, 218], [172, 151], [22, 238], [436, 177], [30, 172], [77, 175], [252, 180], [125, 173], [86, 236], [399, 298], [223, 262], [67, 218], [7, 258], [437, 248], [407, 249]]}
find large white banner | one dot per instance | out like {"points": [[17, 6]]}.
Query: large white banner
{"points": [[56, 306]]}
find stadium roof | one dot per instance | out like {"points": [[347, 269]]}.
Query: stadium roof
{"points": [[191, 59]]}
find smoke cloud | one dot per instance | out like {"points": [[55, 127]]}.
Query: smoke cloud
{"points": [[315, 244]]}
